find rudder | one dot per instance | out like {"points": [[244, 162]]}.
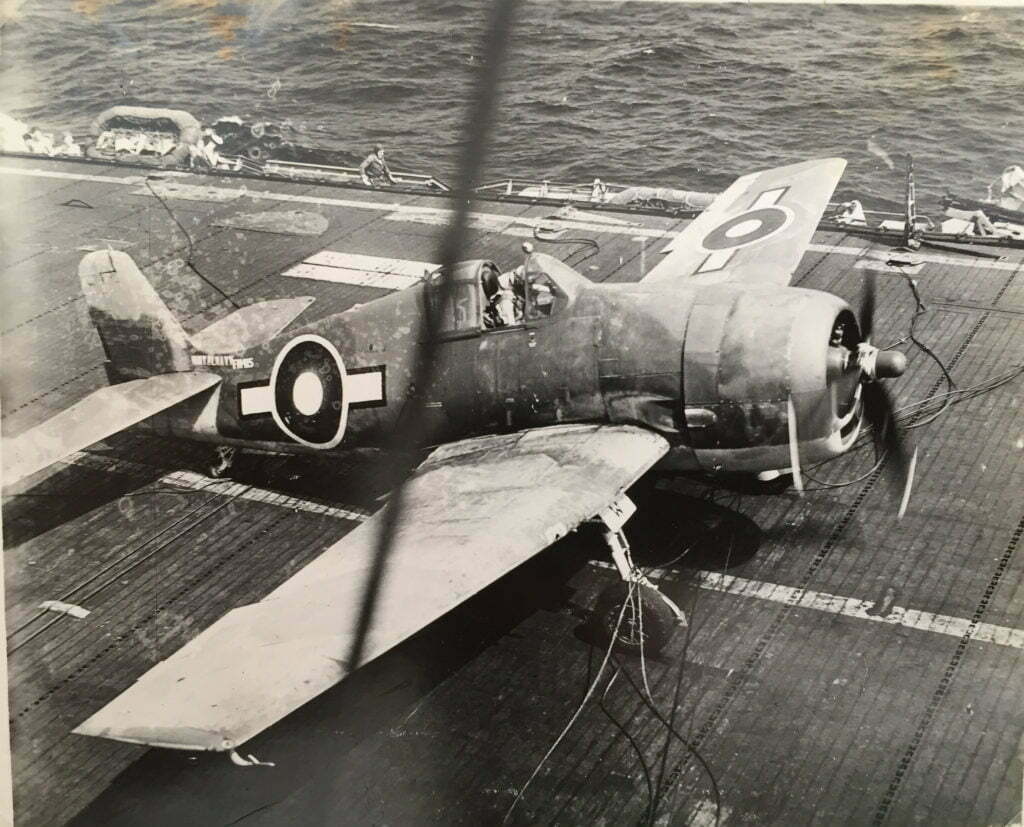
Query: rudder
{"points": [[140, 335]]}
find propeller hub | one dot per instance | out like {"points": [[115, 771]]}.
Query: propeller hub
{"points": [[889, 364], [880, 364]]}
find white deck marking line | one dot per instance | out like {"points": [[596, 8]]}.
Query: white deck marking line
{"points": [[398, 212], [372, 264], [191, 192], [711, 581], [847, 606], [595, 227], [193, 481], [404, 212], [383, 272], [135, 180], [571, 213], [130, 180], [515, 225], [190, 480], [879, 266], [360, 278], [72, 176], [965, 260]]}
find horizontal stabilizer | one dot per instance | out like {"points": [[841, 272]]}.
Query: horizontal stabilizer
{"points": [[250, 326], [472, 512], [101, 414]]}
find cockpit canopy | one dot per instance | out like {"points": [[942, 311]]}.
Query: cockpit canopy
{"points": [[460, 311], [484, 298], [567, 280]]}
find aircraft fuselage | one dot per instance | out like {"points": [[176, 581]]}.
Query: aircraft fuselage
{"points": [[712, 368]]}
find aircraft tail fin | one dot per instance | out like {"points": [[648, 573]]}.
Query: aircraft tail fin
{"points": [[140, 335]]}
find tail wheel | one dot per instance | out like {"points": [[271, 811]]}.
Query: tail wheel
{"points": [[225, 459], [635, 617]]}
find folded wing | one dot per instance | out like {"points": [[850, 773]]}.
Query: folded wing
{"points": [[756, 231], [101, 414], [472, 512]]}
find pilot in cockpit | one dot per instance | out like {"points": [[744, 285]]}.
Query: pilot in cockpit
{"points": [[542, 299], [516, 293], [504, 294]]}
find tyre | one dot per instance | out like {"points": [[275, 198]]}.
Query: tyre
{"points": [[646, 622]]}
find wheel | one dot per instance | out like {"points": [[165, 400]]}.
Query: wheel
{"points": [[645, 619]]}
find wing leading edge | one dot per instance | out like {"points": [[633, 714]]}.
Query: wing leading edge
{"points": [[756, 231], [101, 414], [472, 512]]}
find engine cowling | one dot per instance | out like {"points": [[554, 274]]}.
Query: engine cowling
{"points": [[749, 352]]}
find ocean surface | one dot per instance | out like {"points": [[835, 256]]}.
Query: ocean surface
{"points": [[660, 94]]}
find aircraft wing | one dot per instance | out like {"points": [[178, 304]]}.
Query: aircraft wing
{"points": [[102, 413], [473, 511], [756, 231]]}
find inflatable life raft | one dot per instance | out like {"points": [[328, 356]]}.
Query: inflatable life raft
{"points": [[148, 122]]}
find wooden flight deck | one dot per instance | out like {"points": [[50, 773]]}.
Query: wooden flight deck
{"points": [[842, 667]]}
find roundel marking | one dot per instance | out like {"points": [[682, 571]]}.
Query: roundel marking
{"points": [[307, 385], [308, 393], [751, 225], [747, 228]]}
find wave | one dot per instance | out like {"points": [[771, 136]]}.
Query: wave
{"points": [[641, 91]]}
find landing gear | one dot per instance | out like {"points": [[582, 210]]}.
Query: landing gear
{"points": [[772, 482], [633, 612], [225, 459], [635, 617]]}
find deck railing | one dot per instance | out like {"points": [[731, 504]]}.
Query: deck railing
{"points": [[241, 163], [555, 190], [338, 173]]}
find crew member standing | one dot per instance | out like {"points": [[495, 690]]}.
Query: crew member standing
{"points": [[374, 169]]}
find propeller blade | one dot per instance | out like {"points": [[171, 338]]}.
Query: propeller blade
{"points": [[866, 317], [879, 412], [412, 433], [908, 485], [794, 446]]}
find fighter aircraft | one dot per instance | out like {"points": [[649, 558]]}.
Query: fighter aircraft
{"points": [[552, 396]]}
